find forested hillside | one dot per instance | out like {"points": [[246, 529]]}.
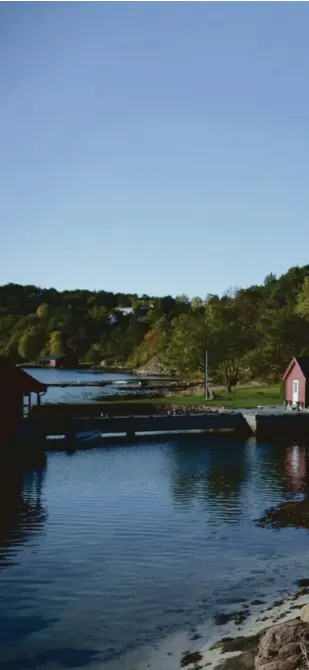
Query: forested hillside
{"points": [[250, 333]]}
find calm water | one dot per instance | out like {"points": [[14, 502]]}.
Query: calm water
{"points": [[83, 394], [108, 550]]}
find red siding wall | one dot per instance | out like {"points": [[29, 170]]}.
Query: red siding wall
{"points": [[295, 373]]}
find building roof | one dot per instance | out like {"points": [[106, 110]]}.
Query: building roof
{"points": [[52, 357], [17, 379], [303, 362]]}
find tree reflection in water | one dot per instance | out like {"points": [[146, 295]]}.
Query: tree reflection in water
{"points": [[226, 474], [212, 472], [21, 512]]}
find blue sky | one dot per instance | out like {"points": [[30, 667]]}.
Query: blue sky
{"points": [[154, 148]]}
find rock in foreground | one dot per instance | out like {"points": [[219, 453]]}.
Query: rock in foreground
{"points": [[304, 614], [284, 647]]}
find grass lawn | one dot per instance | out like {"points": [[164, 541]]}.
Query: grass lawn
{"points": [[243, 398], [240, 397]]}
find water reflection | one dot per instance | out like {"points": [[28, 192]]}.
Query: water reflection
{"points": [[21, 511], [139, 542], [214, 475], [227, 478], [296, 468], [286, 467]]}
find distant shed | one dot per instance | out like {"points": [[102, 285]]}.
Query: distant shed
{"points": [[59, 361], [296, 379], [15, 385]]}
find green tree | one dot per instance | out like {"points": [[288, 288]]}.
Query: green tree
{"points": [[43, 311], [98, 313], [183, 299], [249, 333], [55, 343], [196, 303], [94, 354], [270, 279], [232, 336], [185, 348], [30, 344], [302, 304]]}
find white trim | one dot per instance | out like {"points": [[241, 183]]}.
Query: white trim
{"points": [[295, 391]]}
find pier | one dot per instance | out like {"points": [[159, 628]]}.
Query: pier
{"points": [[126, 383], [128, 421], [131, 426]]}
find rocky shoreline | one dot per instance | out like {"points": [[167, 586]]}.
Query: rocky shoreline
{"points": [[185, 409], [258, 635], [275, 638], [272, 637]]}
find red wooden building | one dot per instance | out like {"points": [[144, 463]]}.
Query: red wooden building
{"points": [[15, 386], [58, 361], [296, 379]]}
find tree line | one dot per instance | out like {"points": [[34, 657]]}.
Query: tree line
{"points": [[249, 333]]}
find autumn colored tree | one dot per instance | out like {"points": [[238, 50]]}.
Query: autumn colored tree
{"points": [[248, 333]]}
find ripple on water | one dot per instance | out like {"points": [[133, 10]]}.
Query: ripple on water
{"points": [[121, 546]]}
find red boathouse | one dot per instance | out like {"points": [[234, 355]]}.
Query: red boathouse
{"points": [[59, 361], [15, 386], [296, 379]]}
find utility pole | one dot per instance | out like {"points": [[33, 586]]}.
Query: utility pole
{"points": [[207, 321], [206, 373]]}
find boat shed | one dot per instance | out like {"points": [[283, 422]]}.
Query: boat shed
{"points": [[16, 389], [58, 361], [296, 380]]}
